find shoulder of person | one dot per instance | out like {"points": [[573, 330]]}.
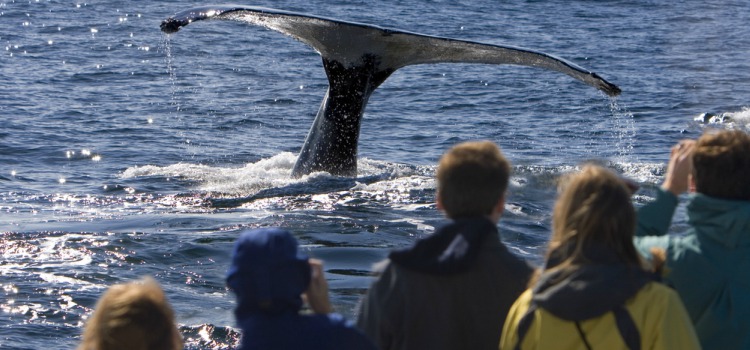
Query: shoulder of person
{"points": [[379, 267]]}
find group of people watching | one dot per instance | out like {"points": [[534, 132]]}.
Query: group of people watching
{"points": [[612, 277]]}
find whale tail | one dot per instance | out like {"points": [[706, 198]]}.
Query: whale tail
{"points": [[357, 59]]}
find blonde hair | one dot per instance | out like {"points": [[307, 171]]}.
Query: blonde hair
{"points": [[132, 316], [593, 213], [472, 178], [721, 164]]}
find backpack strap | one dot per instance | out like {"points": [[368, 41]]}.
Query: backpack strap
{"points": [[628, 330], [583, 336], [524, 324]]}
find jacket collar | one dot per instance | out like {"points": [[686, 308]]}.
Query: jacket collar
{"points": [[588, 290], [453, 248], [723, 220]]}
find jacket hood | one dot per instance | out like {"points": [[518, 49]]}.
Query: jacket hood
{"points": [[453, 248], [588, 290], [723, 220], [267, 273]]}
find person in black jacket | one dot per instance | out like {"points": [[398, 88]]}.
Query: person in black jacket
{"points": [[453, 289]]}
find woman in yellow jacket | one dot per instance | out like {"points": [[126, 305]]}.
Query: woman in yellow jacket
{"points": [[595, 292]]}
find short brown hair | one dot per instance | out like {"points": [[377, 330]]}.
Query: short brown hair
{"points": [[721, 164], [132, 316], [472, 177]]}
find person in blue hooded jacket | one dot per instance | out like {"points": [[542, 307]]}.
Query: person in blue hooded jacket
{"points": [[270, 279], [709, 265]]}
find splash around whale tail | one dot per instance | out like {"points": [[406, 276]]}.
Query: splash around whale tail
{"points": [[357, 59]]}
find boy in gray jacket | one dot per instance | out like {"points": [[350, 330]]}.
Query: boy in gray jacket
{"points": [[453, 289]]}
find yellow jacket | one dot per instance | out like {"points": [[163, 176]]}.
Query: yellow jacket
{"points": [[656, 310]]}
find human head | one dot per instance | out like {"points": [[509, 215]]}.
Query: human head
{"points": [[472, 178], [132, 316], [593, 214], [721, 164], [267, 274]]}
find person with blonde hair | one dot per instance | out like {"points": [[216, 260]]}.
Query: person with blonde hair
{"points": [[452, 289], [707, 265], [595, 291], [132, 316]]}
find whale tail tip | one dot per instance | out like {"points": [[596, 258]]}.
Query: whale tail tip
{"points": [[608, 88], [611, 90], [171, 25]]}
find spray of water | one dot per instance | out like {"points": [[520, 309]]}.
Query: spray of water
{"points": [[624, 128]]}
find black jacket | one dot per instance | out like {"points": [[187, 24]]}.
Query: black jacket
{"points": [[443, 295]]}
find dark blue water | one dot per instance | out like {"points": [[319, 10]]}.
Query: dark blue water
{"points": [[125, 152]]}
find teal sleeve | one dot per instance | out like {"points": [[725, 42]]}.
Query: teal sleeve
{"points": [[654, 218], [644, 244]]}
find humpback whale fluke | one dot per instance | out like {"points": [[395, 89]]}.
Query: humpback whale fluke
{"points": [[358, 58]]}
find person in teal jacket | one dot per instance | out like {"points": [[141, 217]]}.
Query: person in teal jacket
{"points": [[709, 265]]}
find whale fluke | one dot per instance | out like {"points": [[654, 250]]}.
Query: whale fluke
{"points": [[358, 58]]}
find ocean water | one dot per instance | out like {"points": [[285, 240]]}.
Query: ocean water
{"points": [[125, 152]]}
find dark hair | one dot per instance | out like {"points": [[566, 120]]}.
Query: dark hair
{"points": [[472, 177], [721, 164]]}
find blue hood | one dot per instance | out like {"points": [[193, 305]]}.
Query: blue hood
{"points": [[267, 273]]}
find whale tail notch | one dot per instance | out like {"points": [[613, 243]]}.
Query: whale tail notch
{"points": [[357, 59]]}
